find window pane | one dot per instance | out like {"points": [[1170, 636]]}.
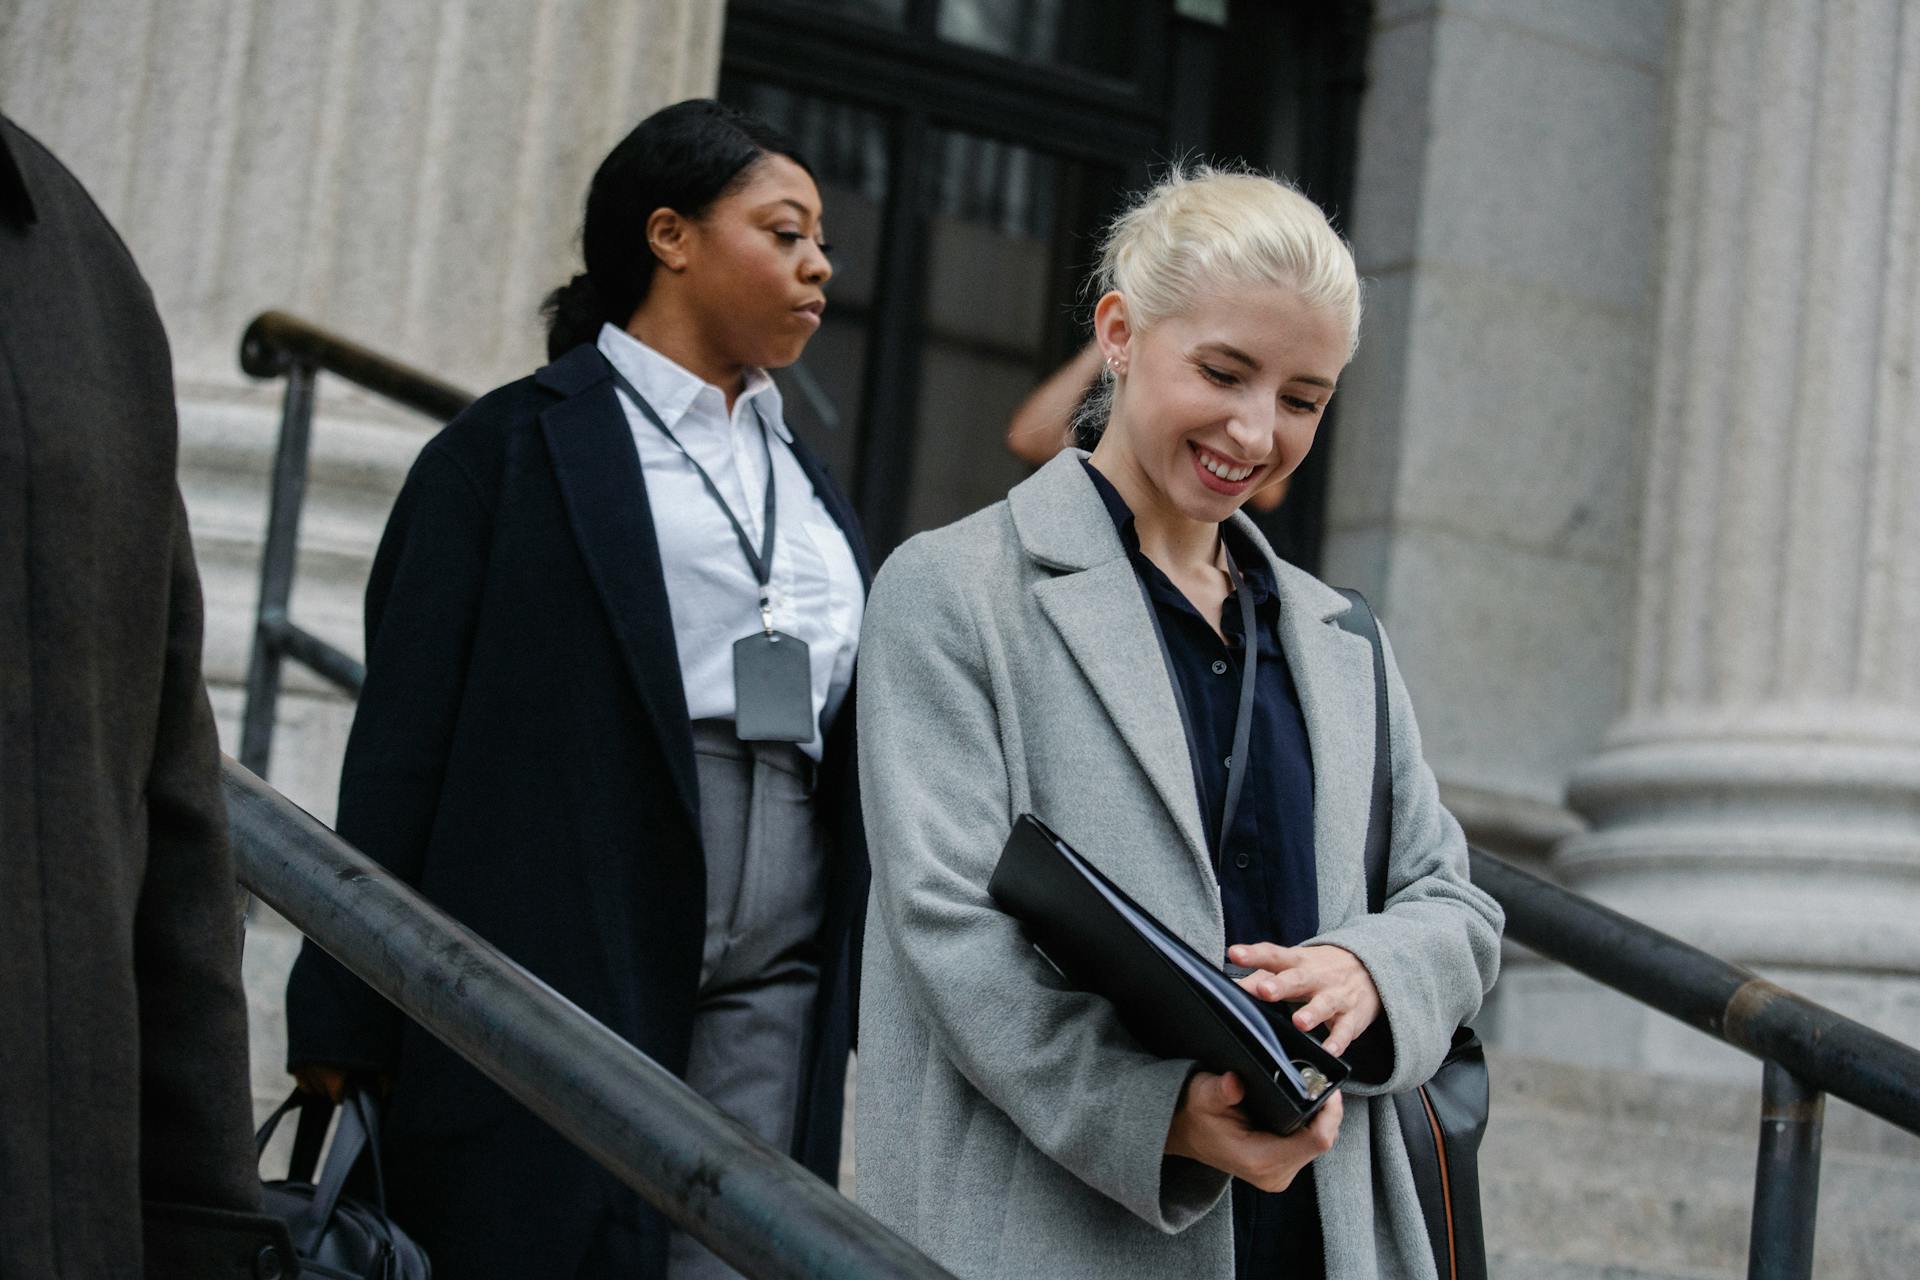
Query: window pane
{"points": [[847, 148], [1088, 35], [887, 13], [993, 184], [1009, 233]]}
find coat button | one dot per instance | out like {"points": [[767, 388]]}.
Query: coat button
{"points": [[1219, 666], [267, 1264], [1242, 861]]}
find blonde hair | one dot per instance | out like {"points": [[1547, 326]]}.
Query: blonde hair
{"points": [[1203, 228]]}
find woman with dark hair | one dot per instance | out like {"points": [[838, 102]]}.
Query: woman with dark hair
{"points": [[610, 642]]}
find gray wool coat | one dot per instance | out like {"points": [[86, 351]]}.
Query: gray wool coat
{"points": [[1006, 1124]]}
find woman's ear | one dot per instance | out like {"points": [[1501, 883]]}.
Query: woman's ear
{"points": [[667, 238], [1113, 330]]}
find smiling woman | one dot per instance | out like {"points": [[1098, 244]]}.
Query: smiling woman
{"points": [[1227, 309], [1118, 651], [610, 631]]}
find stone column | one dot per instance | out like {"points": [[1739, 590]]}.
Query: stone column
{"points": [[1505, 218], [409, 175], [1761, 794]]}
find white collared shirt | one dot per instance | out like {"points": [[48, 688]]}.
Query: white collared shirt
{"points": [[712, 593]]}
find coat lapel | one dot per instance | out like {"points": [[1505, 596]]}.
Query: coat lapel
{"points": [[1333, 671], [1097, 607], [598, 470], [837, 506], [1102, 617]]}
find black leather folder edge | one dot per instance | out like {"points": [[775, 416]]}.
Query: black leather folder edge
{"points": [[1172, 1000]]}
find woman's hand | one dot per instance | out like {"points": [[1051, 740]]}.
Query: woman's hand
{"points": [[331, 1082], [1329, 983], [1209, 1127], [328, 1082]]}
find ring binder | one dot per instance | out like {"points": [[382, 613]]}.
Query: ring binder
{"points": [[1171, 999]]}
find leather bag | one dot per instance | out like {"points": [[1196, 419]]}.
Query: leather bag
{"points": [[335, 1236], [1444, 1119]]}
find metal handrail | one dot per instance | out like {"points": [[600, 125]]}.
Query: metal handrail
{"points": [[275, 342], [758, 1209], [1727, 1001], [279, 345], [1807, 1050]]}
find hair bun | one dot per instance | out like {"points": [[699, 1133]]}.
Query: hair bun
{"points": [[574, 314]]}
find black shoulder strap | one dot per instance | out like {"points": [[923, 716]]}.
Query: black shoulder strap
{"points": [[1360, 621]]}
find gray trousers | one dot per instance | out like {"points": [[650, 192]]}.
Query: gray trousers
{"points": [[760, 970]]}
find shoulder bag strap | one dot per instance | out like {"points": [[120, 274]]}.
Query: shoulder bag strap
{"points": [[264, 1134], [310, 1134], [1360, 621], [1443, 1163], [349, 1140]]}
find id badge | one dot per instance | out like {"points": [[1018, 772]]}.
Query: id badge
{"points": [[772, 688]]}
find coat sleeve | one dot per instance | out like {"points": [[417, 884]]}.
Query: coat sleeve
{"points": [[1434, 952], [195, 1101], [423, 600], [935, 791]]}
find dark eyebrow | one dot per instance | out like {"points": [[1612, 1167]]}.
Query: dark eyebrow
{"points": [[798, 207], [1234, 353]]}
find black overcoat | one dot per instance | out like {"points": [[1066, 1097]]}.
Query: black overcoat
{"points": [[522, 754], [123, 1031]]}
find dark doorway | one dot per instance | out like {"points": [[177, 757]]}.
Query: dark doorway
{"points": [[969, 152]]}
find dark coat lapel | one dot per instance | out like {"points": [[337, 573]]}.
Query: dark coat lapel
{"points": [[837, 506], [598, 470]]}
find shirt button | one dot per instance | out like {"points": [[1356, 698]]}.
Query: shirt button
{"points": [[1241, 860], [1219, 666], [1229, 762]]}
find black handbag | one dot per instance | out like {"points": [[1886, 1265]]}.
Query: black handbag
{"points": [[335, 1236], [1444, 1119]]}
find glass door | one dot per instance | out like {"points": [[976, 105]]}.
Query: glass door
{"points": [[968, 153]]}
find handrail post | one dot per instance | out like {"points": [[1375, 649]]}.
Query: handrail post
{"points": [[1786, 1191], [276, 567]]}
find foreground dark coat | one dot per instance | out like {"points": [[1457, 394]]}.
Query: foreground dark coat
{"points": [[123, 1033], [522, 754]]}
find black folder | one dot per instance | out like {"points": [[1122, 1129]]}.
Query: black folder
{"points": [[1175, 1002]]}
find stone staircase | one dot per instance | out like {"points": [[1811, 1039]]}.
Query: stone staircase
{"points": [[1601, 1175]]}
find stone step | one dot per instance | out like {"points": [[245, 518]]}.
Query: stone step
{"points": [[1679, 1103], [1517, 1266], [1625, 1176]]}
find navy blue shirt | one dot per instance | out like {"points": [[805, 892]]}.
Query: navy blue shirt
{"points": [[1269, 888]]}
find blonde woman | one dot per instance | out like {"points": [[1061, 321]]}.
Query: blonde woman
{"points": [[1077, 651]]}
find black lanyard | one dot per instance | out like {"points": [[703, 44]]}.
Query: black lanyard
{"points": [[761, 561], [1243, 716]]}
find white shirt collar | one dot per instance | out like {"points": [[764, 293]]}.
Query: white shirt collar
{"points": [[672, 389]]}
